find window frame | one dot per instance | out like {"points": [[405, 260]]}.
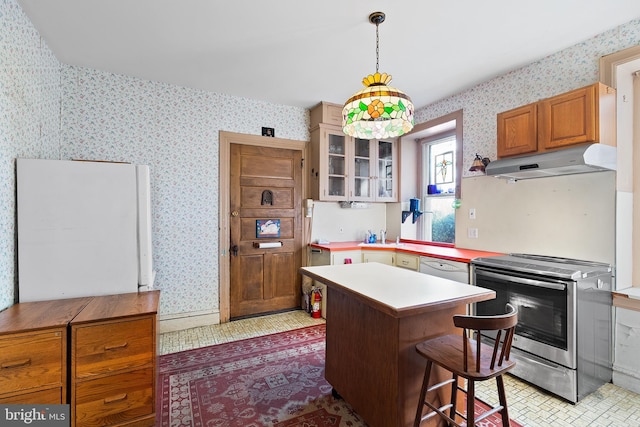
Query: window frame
{"points": [[447, 125]]}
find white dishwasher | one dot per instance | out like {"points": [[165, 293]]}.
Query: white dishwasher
{"points": [[447, 269]]}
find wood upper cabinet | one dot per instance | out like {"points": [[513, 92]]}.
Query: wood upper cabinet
{"points": [[517, 131], [584, 115], [580, 116], [344, 168]]}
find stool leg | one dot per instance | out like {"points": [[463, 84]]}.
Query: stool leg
{"points": [[454, 397], [503, 401], [423, 394], [471, 403]]}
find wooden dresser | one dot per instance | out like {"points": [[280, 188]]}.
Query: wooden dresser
{"points": [[98, 354], [113, 361], [33, 351]]}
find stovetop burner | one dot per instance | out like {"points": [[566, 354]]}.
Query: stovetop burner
{"points": [[565, 268]]}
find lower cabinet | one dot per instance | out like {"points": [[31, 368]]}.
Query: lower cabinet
{"points": [[343, 257], [408, 261], [97, 353], [383, 257], [33, 351], [113, 361], [327, 257], [30, 362], [117, 399], [44, 397]]}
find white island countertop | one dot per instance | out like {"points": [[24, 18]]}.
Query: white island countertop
{"points": [[396, 291]]}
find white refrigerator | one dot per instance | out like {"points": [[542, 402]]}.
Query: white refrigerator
{"points": [[84, 229]]}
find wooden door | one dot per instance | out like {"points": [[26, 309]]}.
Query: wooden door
{"points": [[265, 184]]}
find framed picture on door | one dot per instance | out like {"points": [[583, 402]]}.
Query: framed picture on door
{"points": [[267, 228]]}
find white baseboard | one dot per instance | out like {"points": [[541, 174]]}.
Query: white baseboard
{"points": [[179, 322], [627, 381]]}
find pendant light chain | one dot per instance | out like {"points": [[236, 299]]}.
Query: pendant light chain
{"points": [[377, 48]]}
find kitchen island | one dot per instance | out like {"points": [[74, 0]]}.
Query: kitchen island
{"points": [[375, 317]]}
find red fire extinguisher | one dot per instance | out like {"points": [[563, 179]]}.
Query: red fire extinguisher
{"points": [[316, 299]]}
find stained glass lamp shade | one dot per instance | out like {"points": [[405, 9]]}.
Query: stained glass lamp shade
{"points": [[378, 111]]}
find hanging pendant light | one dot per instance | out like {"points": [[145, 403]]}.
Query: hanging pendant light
{"points": [[378, 111]]}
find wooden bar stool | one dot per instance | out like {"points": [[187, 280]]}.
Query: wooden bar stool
{"points": [[470, 359]]}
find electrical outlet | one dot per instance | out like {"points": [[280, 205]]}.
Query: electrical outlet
{"points": [[472, 213], [472, 233]]}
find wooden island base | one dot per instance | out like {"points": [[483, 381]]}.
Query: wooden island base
{"points": [[376, 314]]}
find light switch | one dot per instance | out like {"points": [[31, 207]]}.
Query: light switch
{"points": [[472, 213]]}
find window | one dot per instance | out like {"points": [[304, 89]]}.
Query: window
{"points": [[438, 172], [439, 188]]}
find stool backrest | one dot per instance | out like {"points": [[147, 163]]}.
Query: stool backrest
{"points": [[501, 323]]}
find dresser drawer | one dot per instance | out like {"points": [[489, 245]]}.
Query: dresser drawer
{"points": [[43, 397], [115, 399], [110, 347], [31, 361]]}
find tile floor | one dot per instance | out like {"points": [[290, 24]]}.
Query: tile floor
{"points": [[608, 406]]}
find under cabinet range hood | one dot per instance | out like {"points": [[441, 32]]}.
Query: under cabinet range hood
{"points": [[582, 159]]}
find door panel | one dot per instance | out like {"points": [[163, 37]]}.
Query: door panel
{"points": [[251, 289], [265, 183], [251, 195], [254, 166]]}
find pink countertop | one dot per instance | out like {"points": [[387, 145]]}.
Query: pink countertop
{"points": [[437, 251]]}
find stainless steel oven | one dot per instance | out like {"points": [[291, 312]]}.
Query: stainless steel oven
{"points": [[563, 337]]}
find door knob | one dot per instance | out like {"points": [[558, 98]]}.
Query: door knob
{"points": [[235, 213], [234, 250]]}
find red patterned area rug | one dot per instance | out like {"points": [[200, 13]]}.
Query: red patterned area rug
{"points": [[275, 380]]}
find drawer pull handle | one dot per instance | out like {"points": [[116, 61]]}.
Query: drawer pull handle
{"points": [[116, 398], [116, 347], [16, 363]]}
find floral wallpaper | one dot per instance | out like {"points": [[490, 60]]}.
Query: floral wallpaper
{"points": [[174, 130], [563, 71], [51, 110], [30, 97]]}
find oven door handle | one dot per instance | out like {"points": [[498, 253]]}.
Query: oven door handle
{"points": [[561, 286]]}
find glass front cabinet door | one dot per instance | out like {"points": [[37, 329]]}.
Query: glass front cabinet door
{"points": [[374, 171], [337, 163], [362, 161], [329, 164], [386, 182], [351, 169]]}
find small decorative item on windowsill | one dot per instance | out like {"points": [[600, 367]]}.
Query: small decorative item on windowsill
{"points": [[479, 163]]}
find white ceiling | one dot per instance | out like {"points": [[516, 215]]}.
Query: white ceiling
{"points": [[298, 52]]}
